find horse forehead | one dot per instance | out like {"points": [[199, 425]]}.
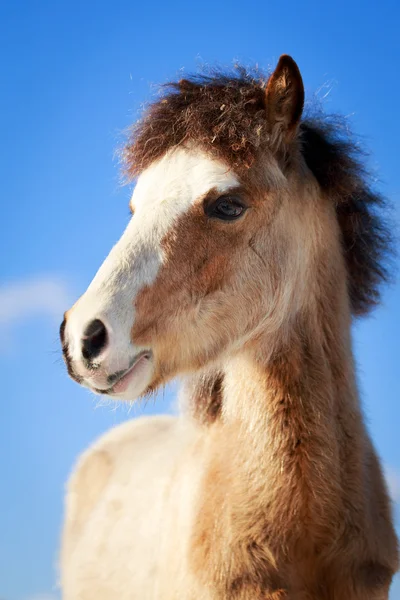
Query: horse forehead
{"points": [[178, 179]]}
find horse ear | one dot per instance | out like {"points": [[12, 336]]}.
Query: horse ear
{"points": [[284, 98]]}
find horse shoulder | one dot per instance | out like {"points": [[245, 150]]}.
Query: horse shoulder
{"points": [[115, 456]]}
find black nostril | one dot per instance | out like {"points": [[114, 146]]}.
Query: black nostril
{"points": [[94, 339]]}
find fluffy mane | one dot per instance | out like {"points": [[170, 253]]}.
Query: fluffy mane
{"points": [[225, 115]]}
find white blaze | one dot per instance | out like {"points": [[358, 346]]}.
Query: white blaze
{"points": [[164, 191]]}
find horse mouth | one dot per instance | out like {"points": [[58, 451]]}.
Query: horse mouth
{"points": [[121, 380]]}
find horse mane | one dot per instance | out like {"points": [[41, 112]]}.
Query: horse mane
{"points": [[225, 115]]}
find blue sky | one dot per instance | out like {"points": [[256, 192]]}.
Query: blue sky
{"points": [[73, 76]]}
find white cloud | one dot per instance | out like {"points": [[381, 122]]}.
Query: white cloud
{"points": [[21, 300], [393, 482], [28, 298]]}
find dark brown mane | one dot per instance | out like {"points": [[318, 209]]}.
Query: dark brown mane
{"points": [[337, 163], [225, 115]]}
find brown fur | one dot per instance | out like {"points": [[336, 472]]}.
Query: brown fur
{"points": [[293, 530], [202, 396], [225, 115], [299, 533], [293, 527], [292, 503]]}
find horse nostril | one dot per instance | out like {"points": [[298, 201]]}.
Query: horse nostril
{"points": [[94, 339]]}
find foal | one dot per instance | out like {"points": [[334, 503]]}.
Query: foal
{"points": [[254, 239]]}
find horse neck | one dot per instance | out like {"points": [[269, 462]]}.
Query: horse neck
{"points": [[296, 414]]}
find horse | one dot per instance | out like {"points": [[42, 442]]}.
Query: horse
{"points": [[256, 238]]}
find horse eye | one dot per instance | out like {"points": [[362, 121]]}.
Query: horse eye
{"points": [[226, 208]]}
